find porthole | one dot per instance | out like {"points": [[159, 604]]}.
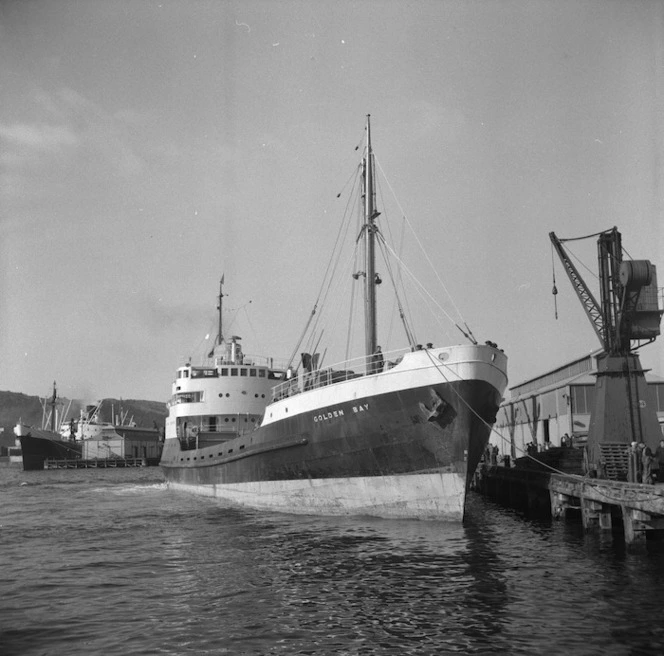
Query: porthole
{"points": [[443, 356]]}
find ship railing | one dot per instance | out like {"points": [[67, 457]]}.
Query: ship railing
{"points": [[366, 365], [249, 360]]}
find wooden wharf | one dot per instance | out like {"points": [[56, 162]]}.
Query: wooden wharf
{"points": [[603, 504], [100, 463]]}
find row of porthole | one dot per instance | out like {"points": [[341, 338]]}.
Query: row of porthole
{"points": [[221, 453], [221, 395], [232, 419]]}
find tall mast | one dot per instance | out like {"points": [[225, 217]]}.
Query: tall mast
{"points": [[54, 402], [220, 336], [370, 215]]}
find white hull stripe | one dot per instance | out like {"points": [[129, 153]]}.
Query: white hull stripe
{"points": [[415, 496]]}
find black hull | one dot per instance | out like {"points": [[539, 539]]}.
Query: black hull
{"points": [[438, 429], [37, 449]]}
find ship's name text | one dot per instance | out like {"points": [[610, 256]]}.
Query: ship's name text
{"points": [[335, 414]]}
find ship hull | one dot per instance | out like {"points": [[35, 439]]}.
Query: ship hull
{"points": [[401, 451], [36, 449]]}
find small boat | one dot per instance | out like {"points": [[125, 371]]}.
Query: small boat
{"points": [[396, 434]]}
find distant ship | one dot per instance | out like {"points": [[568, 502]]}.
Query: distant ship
{"points": [[88, 436], [38, 444], [395, 435]]}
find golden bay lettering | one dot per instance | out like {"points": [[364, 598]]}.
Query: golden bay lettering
{"points": [[335, 414]]}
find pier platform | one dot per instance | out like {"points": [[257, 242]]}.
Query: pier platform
{"points": [[636, 509]]}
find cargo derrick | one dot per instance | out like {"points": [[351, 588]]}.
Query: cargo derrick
{"points": [[624, 410]]}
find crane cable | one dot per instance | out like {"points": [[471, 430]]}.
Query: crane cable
{"points": [[554, 291]]}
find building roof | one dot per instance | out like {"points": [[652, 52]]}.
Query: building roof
{"points": [[577, 372]]}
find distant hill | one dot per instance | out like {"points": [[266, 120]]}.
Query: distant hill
{"points": [[15, 406]]}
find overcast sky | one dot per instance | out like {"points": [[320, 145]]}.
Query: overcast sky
{"points": [[150, 146]]}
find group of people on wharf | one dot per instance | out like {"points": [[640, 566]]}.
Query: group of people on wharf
{"points": [[644, 465]]}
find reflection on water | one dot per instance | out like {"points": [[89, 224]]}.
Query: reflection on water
{"points": [[148, 570]]}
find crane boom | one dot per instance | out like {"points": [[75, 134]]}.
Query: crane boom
{"points": [[590, 305]]}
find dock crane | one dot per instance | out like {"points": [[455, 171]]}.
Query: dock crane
{"points": [[624, 410]]}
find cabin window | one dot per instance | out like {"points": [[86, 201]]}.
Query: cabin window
{"points": [[224, 371], [261, 373], [233, 371], [189, 397], [252, 373], [243, 372]]}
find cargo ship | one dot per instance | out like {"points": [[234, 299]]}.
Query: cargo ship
{"points": [[395, 434], [46, 442], [88, 436]]}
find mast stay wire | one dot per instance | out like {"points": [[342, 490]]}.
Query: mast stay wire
{"points": [[410, 336], [425, 292], [426, 255], [334, 281], [407, 315], [327, 277]]}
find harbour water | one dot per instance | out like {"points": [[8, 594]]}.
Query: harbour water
{"points": [[112, 562]]}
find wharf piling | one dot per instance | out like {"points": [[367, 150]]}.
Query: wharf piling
{"points": [[603, 504]]}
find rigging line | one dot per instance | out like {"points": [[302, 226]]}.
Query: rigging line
{"points": [[342, 236], [251, 326], [400, 285], [400, 273], [554, 291], [350, 178], [583, 264], [334, 280], [440, 366], [418, 283], [426, 255], [327, 274], [596, 234], [334, 277], [409, 333], [338, 239], [327, 314], [443, 327], [351, 314], [491, 427]]}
